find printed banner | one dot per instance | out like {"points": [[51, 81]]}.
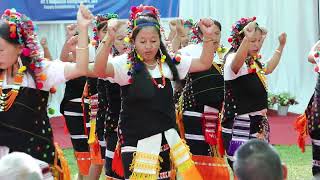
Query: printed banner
{"points": [[50, 10]]}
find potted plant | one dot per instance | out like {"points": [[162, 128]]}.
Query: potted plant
{"points": [[284, 100], [272, 100]]}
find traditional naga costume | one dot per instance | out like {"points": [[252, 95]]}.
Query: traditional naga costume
{"points": [[198, 117], [77, 121], [245, 105], [147, 118], [107, 120], [24, 124], [97, 144], [109, 105], [309, 123], [75, 108]]}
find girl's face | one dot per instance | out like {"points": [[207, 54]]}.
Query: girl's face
{"points": [[147, 43], [8, 54], [119, 43], [255, 43]]}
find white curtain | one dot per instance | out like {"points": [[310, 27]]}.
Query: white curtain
{"points": [[55, 34], [298, 18]]}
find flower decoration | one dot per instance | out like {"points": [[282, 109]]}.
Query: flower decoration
{"points": [[22, 30], [99, 19], [317, 60], [236, 31]]}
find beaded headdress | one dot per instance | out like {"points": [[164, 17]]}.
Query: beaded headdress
{"points": [[237, 30], [22, 31]]}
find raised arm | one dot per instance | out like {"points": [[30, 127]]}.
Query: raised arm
{"points": [[45, 48], [243, 49], [71, 41], [101, 66], [211, 39], [68, 47], [80, 68], [173, 31], [180, 36], [274, 61]]}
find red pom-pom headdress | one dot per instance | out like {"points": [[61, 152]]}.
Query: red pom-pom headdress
{"points": [[137, 11], [99, 19], [196, 37], [236, 31], [22, 30]]}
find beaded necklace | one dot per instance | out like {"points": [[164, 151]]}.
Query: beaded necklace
{"points": [[162, 77], [253, 67], [134, 66], [7, 99]]}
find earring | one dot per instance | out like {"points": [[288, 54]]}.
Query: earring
{"points": [[139, 57], [20, 61], [163, 57], [126, 39]]}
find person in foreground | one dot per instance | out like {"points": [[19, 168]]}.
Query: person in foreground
{"points": [[256, 159]]}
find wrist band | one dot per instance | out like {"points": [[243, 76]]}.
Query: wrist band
{"points": [[82, 48]]}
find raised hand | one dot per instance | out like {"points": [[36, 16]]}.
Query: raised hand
{"points": [[84, 16], [71, 30], [72, 43], [113, 27], [44, 42], [180, 28], [283, 39], [250, 29], [209, 30], [173, 25]]}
